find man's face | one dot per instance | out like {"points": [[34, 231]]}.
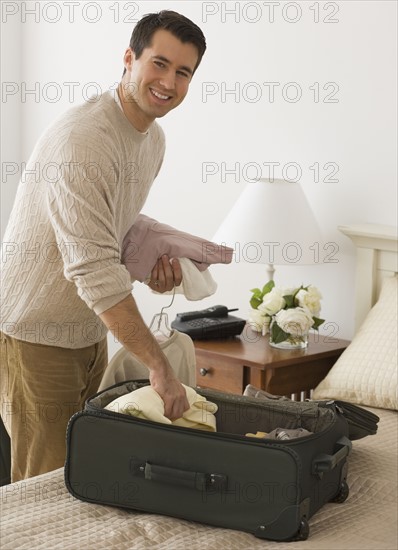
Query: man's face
{"points": [[158, 81]]}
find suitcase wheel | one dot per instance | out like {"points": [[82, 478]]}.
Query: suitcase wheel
{"points": [[303, 530], [342, 494]]}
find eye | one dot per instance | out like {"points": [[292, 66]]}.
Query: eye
{"points": [[159, 64], [184, 74]]}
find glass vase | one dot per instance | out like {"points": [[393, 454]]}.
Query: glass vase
{"points": [[292, 342]]}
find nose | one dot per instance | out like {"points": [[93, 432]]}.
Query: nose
{"points": [[168, 80]]}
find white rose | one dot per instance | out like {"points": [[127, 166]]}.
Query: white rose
{"points": [[287, 291], [295, 321], [310, 299], [258, 321], [272, 302]]}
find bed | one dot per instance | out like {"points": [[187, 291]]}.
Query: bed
{"points": [[39, 513]]}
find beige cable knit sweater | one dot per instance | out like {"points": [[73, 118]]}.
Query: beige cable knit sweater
{"points": [[85, 183]]}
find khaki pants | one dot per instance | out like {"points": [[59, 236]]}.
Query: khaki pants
{"points": [[40, 388]]}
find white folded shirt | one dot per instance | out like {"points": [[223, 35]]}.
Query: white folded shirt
{"points": [[146, 403], [195, 284]]}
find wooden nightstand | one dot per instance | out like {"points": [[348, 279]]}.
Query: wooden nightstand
{"points": [[229, 365]]}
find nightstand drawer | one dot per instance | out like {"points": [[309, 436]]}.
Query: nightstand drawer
{"points": [[229, 365], [219, 375]]}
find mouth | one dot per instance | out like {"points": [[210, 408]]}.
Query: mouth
{"points": [[161, 97]]}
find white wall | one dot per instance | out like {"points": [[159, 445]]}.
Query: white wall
{"points": [[10, 143], [354, 57]]}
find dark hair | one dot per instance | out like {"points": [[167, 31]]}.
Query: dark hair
{"points": [[180, 26]]}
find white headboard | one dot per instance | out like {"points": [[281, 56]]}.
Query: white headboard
{"points": [[377, 258]]}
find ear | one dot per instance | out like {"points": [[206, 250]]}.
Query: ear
{"points": [[128, 59]]}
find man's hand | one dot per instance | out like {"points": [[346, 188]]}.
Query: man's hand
{"points": [[171, 391], [165, 275], [127, 325]]}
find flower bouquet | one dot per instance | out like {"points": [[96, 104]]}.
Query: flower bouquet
{"points": [[286, 313]]}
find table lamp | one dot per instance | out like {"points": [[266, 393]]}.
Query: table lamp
{"points": [[271, 223]]}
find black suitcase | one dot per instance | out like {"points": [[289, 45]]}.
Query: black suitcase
{"points": [[266, 487]]}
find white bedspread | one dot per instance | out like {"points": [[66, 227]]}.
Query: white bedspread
{"points": [[39, 513]]}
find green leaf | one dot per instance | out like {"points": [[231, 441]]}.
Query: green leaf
{"points": [[278, 335], [268, 287], [295, 294], [289, 299], [255, 302], [256, 291], [317, 323]]}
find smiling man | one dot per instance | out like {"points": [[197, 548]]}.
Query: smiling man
{"points": [[156, 80], [64, 285]]}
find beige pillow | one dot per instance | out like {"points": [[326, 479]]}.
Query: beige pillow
{"points": [[366, 373]]}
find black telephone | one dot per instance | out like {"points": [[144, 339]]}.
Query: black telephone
{"points": [[214, 322]]}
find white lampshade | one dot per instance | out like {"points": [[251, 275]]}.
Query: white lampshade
{"points": [[271, 223]]}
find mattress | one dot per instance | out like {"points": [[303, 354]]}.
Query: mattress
{"points": [[39, 513]]}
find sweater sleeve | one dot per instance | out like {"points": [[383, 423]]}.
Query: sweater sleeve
{"points": [[81, 209]]}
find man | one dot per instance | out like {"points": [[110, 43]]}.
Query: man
{"points": [[63, 281]]}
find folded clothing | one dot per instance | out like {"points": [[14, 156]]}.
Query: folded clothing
{"points": [[195, 284], [146, 403], [259, 435], [252, 391], [285, 433], [147, 240], [281, 434]]}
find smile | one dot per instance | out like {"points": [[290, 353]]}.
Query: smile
{"points": [[158, 95]]}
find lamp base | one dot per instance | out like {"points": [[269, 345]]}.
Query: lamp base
{"points": [[270, 272]]}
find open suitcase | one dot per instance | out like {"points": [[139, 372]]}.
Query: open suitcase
{"points": [[267, 487]]}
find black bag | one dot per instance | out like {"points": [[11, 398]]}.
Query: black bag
{"points": [[267, 487], [360, 421]]}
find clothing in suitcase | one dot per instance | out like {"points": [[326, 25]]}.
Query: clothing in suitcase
{"points": [[270, 488]]}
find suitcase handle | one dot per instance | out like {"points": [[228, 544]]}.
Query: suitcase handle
{"points": [[325, 463], [193, 480]]}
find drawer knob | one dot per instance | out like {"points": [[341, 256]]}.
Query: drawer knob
{"points": [[203, 371]]}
